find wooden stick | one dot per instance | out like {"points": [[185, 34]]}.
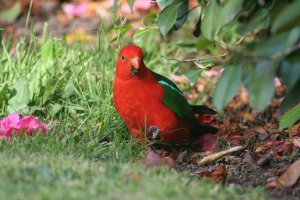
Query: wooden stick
{"points": [[216, 156]]}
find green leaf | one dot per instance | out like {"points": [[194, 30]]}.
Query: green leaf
{"points": [[193, 75], [12, 13], [167, 17], [261, 85], [140, 35], [261, 20], [293, 36], [3, 91], [50, 51], [290, 118], [231, 9], [122, 30], [164, 3], [149, 20], [287, 18], [227, 86], [130, 4], [1, 35], [289, 69], [182, 14], [291, 99], [50, 88], [69, 89], [272, 46], [20, 95], [55, 108], [212, 20]]}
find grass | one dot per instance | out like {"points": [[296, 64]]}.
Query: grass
{"points": [[87, 152]]}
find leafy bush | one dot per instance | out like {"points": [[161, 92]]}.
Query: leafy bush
{"points": [[260, 40]]}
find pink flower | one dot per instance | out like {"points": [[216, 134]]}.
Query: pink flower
{"points": [[29, 124], [9, 124], [139, 5], [214, 72], [277, 82], [13, 124], [175, 78], [76, 10]]}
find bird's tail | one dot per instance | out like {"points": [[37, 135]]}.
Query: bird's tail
{"points": [[202, 109]]}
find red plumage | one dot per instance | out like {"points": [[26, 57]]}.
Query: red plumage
{"points": [[138, 98]]}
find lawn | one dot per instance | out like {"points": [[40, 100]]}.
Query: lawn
{"points": [[87, 151]]}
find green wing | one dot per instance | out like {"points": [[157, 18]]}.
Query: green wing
{"points": [[174, 99]]}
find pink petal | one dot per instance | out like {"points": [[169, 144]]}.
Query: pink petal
{"points": [[175, 78], [214, 72], [10, 122], [81, 9], [43, 128], [29, 124], [277, 82], [69, 9], [142, 5]]}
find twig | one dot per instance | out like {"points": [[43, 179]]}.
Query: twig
{"points": [[196, 59], [216, 156]]}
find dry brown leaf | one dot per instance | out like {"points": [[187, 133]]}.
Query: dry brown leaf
{"points": [[295, 130], [218, 175], [152, 159], [296, 142], [289, 178], [260, 130]]}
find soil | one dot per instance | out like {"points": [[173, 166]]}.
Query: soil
{"points": [[268, 153]]}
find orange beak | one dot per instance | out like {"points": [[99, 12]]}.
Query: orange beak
{"points": [[135, 66]]}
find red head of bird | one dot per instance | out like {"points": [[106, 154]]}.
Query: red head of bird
{"points": [[130, 62]]}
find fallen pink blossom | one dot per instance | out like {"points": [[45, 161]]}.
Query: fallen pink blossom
{"points": [[13, 124]]}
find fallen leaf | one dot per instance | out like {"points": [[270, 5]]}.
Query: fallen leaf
{"points": [[289, 178], [296, 142], [218, 175], [249, 117], [264, 161], [260, 130], [295, 130], [152, 159], [235, 138], [206, 142], [181, 156], [248, 158]]}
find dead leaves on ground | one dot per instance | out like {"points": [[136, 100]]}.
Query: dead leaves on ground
{"points": [[289, 178], [218, 175], [155, 159]]}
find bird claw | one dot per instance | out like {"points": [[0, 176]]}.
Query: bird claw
{"points": [[154, 130]]}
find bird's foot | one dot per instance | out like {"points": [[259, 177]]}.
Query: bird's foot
{"points": [[154, 130]]}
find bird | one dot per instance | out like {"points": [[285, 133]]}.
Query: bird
{"points": [[152, 106]]}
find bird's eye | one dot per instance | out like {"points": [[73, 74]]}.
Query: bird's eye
{"points": [[123, 58]]}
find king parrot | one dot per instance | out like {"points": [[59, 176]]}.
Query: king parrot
{"points": [[152, 105]]}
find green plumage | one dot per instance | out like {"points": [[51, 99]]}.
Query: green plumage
{"points": [[175, 100]]}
